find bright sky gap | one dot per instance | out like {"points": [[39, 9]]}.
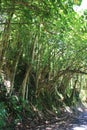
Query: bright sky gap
{"points": [[80, 9]]}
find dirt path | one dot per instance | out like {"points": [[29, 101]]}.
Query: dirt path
{"points": [[78, 122], [68, 121]]}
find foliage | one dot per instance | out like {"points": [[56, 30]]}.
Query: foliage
{"points": [[3, 115], [43, 55]]}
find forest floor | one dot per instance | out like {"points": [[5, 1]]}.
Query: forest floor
{"points": [[76, 120], [71, 118]]}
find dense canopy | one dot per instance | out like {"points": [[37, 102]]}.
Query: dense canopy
{"points": [[43, 53]]}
